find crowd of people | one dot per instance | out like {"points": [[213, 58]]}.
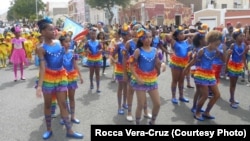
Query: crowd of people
{"points": [[138, 54]]}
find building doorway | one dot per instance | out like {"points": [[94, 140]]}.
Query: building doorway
{"points": [[177, 20]]}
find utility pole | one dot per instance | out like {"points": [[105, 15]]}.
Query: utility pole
{"points": [[36, 11]]}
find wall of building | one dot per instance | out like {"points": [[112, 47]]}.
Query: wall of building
{"points": [[197, 4], [56, 10], [235, 16], [77, 10], [209, 14], [158, 12], [96, 15]]}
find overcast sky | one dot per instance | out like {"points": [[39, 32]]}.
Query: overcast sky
{"points": [[5, 4]]}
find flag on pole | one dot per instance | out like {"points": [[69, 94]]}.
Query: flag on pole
{"points": [[70, 25]]}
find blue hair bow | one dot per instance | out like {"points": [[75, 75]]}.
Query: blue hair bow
{"points": [[48, 20]]}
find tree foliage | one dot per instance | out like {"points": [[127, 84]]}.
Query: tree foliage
{"points": [[24, 9], [107, 5]]}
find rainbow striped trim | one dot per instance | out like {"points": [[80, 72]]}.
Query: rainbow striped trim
{"points": [[72, 79], [54, 80], [178, 62], [235, 69], [94, 60], [118, 72], [149, 79], [204, 77]]}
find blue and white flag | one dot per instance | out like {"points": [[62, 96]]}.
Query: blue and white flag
{"points": [[70, 25]]}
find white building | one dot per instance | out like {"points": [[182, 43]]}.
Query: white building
{"points": [[56, 10], [229, 4], [76, 10], [96, 15]]}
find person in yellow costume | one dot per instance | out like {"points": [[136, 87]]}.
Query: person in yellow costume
{"points": [[3, 52], [34, 38], [29, 47], [9, 47]]}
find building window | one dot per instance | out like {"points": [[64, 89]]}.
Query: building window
{"points": [[237, 4], [223, 6]]}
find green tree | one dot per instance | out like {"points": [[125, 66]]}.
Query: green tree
{"points": [[108, 4], [21, 9], [59, 22]]}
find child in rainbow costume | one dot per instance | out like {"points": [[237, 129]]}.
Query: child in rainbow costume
{"points": [[204, 76], [178, 61], [94, 58], [120, 67], [70, 64], [145, 66], [131, 46], [235, 62]]}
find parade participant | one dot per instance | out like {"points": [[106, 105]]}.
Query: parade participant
{"points": [[122, 85], [115, 39], [38, 45], [247, 42], [198, 43], [145, 67], [94, 58], [53, 78], [3, 52], [218, 62], [235, 62], [8, 42], [104, 43], [71, 66], [178, 60], [228, 40], [73, 44], [157, 43], [130, 48], [18, 55], [191, 47], [29, 47], [204, 76]]}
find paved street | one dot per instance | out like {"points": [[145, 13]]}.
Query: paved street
{"points": [[22, 116]]}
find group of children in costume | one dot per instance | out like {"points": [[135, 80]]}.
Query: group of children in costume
{"points": [[136, 55]]}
